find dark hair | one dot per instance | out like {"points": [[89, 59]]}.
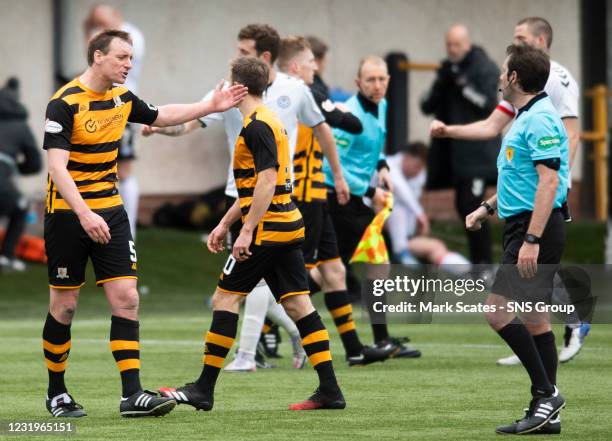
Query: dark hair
{"points": [[319, 48], [252, 73], [538, 26], [289, 48], [532, 67], [101, 42], [266, 39], [416, 148]]}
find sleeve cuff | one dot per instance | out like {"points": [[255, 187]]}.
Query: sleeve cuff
{"points": [[382, 164]]}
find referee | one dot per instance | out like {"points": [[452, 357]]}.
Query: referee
{"points": [[533, 168]]}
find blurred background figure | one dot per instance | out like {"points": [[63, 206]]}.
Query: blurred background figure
{"points": [[320, 50], [18, 155], [465, 90], [408, 225], [102, 17]]}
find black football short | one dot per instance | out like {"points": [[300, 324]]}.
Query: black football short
{"points": [[508, 282], [282, 267], [68, 247], [320, 244], [127, 149]]}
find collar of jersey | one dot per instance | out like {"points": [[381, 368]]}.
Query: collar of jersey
{"points": [[88, 90], [368, 105], [531, 102]]}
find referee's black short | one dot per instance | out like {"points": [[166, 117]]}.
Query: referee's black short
{"points": [[320, 244], [68, 246], [350, 222], [508, 282]]}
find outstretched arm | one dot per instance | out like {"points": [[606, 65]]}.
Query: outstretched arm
{"points": [[479, 130], [222, 99]]}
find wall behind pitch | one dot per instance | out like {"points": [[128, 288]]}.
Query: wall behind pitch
{"points": [[190, 42], [26, 52]]}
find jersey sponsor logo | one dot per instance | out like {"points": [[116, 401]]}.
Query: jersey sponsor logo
{"points": [[91, 125], [548, 141], [53, 127], [283, 101], [328, 106], [509, 154], [342, 142], [62, 273]]}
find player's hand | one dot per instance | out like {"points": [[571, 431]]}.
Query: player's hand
{"points": [[241, 246], [527, 263], [384, 179], [423, 225], [216, 239], [342, 107], [379, 199], [95, 227], [226, 98], [342, 190], [437, 129], [474, 220], [148, 130]]}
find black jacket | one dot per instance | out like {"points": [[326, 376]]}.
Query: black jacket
{"points": [[463, 93], [18, 150]]}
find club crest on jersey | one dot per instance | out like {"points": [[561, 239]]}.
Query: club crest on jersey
{"points": [[62, 273], [283, 101], [117, 101], [509, 154]]}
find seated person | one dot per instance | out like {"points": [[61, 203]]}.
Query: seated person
{"points": [[408, 225]]}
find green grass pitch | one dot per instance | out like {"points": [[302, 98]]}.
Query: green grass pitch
{"points": [[454, 392]]}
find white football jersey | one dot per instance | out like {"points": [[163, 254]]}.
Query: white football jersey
{"points": [[289, 98], [562, 89]]}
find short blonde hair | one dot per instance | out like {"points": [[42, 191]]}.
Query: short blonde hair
{"points": [[289, 48]]}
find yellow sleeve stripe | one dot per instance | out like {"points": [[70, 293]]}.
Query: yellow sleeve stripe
{"points": [[219, 340], [346, 327], [316, 336], [56, 367], [342, 311], [56, 349], [130, 363], [319, 357], [124, 345], [213, 360]]}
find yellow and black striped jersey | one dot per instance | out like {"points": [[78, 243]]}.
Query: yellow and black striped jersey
{"points": [[262, 144], [309, 180], [90, 125]]}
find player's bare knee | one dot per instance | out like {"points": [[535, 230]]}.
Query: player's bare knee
{"points": [[335, 275], [298, 306], [225, 301], [126, 300]]}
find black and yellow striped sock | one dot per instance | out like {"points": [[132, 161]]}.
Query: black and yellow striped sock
{"points": [[124, 343], [218, 342], [315, 341], [56, 347], [341, 310]]}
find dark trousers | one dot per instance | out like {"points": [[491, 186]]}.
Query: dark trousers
{"points": [[350, 222], [469, 193], [12, 208]]}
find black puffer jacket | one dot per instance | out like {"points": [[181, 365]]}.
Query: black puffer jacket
{"points": [[462, 93], [18, 150]]}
